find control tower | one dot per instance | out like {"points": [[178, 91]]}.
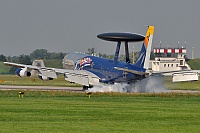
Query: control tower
{"points": [[169, 59]]}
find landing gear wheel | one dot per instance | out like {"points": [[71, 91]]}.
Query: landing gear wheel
{"points": [[85, 88]]}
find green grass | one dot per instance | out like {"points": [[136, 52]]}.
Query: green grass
{"points": [[193, 85], [34, 81], [4, 69], [57, 111], [194, 63]]}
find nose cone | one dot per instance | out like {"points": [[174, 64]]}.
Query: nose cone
{"points": [[122, 37]]}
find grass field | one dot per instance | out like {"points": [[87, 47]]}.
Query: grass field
{"points": [[192, 85], [35, 81], [57, 111]]}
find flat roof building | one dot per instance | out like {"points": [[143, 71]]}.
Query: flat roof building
{"points": [[169, 59]]}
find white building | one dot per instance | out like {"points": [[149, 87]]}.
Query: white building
{"points": [[169, 59], [173, 59]]}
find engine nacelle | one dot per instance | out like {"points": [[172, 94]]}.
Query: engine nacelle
{"points": [[22, 72], [44, 78]]}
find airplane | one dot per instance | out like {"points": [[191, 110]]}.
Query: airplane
{"points": [[92, 71]]}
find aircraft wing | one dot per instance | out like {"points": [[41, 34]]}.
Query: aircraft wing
{"points": [[20, 65], [167, 73], [56, 70], [83, 77], [180, 75], [157, 73]]}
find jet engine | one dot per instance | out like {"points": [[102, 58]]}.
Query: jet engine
{"points": [[45, 78], [22, 72]]}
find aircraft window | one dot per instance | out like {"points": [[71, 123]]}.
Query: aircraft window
{"points": [[168, 65]]}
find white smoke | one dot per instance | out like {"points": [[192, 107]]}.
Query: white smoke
{"points": [[109, 88], [151, 84]]}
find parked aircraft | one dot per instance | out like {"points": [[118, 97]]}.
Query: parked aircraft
{"points": [[92, 71]]}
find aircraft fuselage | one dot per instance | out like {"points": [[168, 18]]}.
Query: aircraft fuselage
{"points": [[105, 69]]}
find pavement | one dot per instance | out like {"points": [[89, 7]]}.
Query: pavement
{"points": [[10, 87], [75, 89]]}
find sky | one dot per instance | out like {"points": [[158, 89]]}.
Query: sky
{"points": [[73, 25]]}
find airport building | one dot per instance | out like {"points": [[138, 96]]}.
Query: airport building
{"points": [[173, 59], [169, 59]]}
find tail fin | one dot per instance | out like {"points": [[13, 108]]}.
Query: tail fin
{"points": [[144, 57]]}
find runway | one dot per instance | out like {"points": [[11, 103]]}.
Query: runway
{"points": [[75, 89], [44, 88]]}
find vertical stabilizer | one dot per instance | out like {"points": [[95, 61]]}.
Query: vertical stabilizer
{"points": [[144, 57]]}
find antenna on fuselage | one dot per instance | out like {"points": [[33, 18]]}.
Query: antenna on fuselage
{"points": [[119, 38], [127, 52], [117, 51]]}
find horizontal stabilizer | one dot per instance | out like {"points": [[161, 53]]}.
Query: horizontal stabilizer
{"points": [[132, 71]]}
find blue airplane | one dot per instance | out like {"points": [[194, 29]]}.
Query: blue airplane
{"points": [[92, 71]]}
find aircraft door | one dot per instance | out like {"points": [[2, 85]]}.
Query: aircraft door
{"points": [[125, 73]]}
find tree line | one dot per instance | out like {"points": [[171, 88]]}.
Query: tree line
{"points": [[43, 54], [37, 54]]}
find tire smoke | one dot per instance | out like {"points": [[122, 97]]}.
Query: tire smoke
{"points": [[151, 84]]}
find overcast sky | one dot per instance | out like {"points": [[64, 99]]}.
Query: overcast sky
{"points": [[72, 25]]}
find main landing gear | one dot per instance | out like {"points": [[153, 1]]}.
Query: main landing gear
{"points": [[86, 87]]}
